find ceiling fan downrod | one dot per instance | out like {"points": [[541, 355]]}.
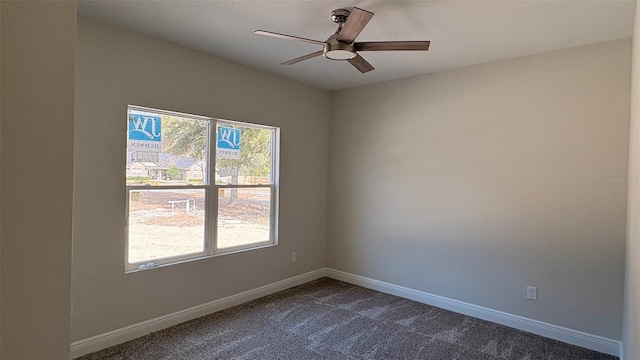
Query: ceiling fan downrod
{"points": [[334, 49]]}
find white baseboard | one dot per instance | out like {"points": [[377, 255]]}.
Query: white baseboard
{"points": [[575, 337], [560, 333], [118, 336]]}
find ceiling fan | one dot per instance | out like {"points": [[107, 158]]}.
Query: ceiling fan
{"points": [[341, 45]]}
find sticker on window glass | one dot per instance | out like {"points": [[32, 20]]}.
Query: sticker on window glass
{"points": [[145, 133], [228, 143]]}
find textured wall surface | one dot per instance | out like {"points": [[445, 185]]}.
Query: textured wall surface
{"points": [[38, 50], [476, 182]]}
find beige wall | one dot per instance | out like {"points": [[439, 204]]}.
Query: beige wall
{"points": [[0, 179], [115, 68], [631, 329], [476, 182], [37, 94]]}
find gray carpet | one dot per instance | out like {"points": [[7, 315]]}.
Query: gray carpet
{"points": [[329, 319]]}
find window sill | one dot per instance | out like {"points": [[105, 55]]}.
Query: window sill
{"points": [[235, 251]]}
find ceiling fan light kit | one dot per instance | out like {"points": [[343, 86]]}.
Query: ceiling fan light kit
{"points": [[342, 46], [338, 51]]}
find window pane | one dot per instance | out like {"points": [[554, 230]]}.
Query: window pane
{"points": [[165, 223], [165, 150], [243, 216], [243, 155]]}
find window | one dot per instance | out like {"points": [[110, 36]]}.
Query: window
{"points": [[197, 187]]}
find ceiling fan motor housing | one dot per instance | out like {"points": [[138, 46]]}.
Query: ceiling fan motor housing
{"points": [[334, 49]]}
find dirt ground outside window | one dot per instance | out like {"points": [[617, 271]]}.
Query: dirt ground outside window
{"points": [[160, 226]]}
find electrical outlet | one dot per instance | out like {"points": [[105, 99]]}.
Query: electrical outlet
{"points": [[294, 257], [532, 293]]}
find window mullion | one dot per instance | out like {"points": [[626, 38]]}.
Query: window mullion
{"points": [[230, 186], [212, 206]]}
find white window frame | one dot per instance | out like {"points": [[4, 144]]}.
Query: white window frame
{"points": [[210, 241]]}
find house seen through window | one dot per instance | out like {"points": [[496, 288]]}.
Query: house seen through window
{"points": [[197, 187]]}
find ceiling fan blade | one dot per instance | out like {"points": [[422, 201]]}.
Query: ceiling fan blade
{"points": [[361, 64], [356, 21], [287, 37], [302, 58], [392, 45]]}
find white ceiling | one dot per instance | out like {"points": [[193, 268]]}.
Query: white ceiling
{"points": [[462, 33]]}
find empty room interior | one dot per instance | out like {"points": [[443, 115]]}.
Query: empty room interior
{"points": [[479, 160]]}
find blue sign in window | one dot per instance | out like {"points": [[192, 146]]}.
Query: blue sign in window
{"points": [[228, 138], [145, 127]]}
